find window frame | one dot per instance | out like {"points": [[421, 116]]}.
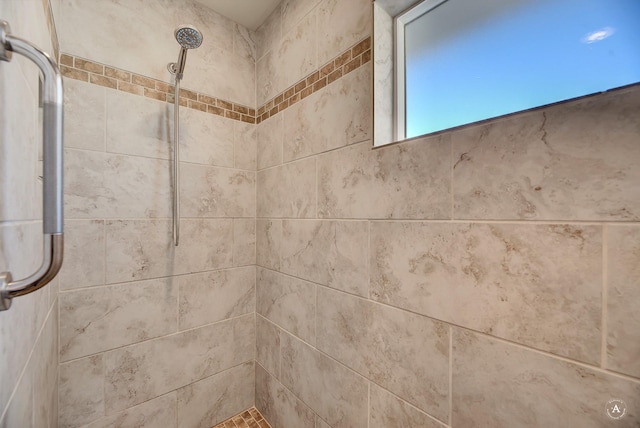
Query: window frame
{"points": [[399, 69]]}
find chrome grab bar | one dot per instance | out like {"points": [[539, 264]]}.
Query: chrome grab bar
{"points": [[52, 127]]}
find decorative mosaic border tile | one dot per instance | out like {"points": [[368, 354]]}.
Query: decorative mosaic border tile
{"points": [[100, 74], [348, 61], [248, 419]]}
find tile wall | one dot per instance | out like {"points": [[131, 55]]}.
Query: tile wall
{"points": [[485, 276], [29, 330], [152, 334]]}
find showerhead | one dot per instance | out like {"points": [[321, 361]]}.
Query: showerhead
{"points": [[188, 36]]}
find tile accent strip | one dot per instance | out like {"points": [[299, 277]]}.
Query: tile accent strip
{"points": [[100, 74], [249, 418], [348, 61]]}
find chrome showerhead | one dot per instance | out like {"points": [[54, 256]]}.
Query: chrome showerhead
{"points": [[188, 36]]}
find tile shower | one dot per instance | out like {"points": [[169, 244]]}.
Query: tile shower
{"points": [[481, 277]]}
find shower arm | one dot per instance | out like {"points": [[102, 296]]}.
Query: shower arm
{"points": [[52, 126]]}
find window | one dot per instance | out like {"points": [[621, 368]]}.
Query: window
{"points": [[463, 61]]}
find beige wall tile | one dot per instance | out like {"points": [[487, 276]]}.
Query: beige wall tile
{"points": [[216, 192], [268, 243], [141, 249], [623, 299], [288, 190], [19, 412], [100, 185], [245, 146], [214, 399], [269, 33], [278, 405], [386, 410], [81, 391], [406, 353], [206, 138], [288, 302], [270, 140], [293, 11], [138, 125], [497, 384], [83, 254], [335, 116], [332, 253], [335, 393], [45, 362], [103, 318], [538, 285], [244, 42], [160, 411], [268, 345], [244, 241], [147, 370], [214, 296], [342, 24], [574, 161], [409, 180], [84, 115]]}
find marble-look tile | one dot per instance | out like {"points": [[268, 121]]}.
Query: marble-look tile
{"points": [[408, 180], [103, 318], [268, 345], [342, 24], [335, 393], [278, 405], [141, 249], [84, 115], [206, 138], [245, 146], [575, 161], [320, 423], [338, 115], [244, 42], [20, 247], [539, 285], [102, 185], [214, 296], [19, 412], [496, 384], [406, 353], [292, 59], [216, 192], [214, 399], [269, 33], [386, 411], [288, 190], [138, 126], [623, 299], [244, 241], [19, 133], [293, 11], [159, 412], [268, 243], [83, 254], [45, 360], [270, 138], [137, 373], [288, 302], [81, 391], [332, 253]]}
